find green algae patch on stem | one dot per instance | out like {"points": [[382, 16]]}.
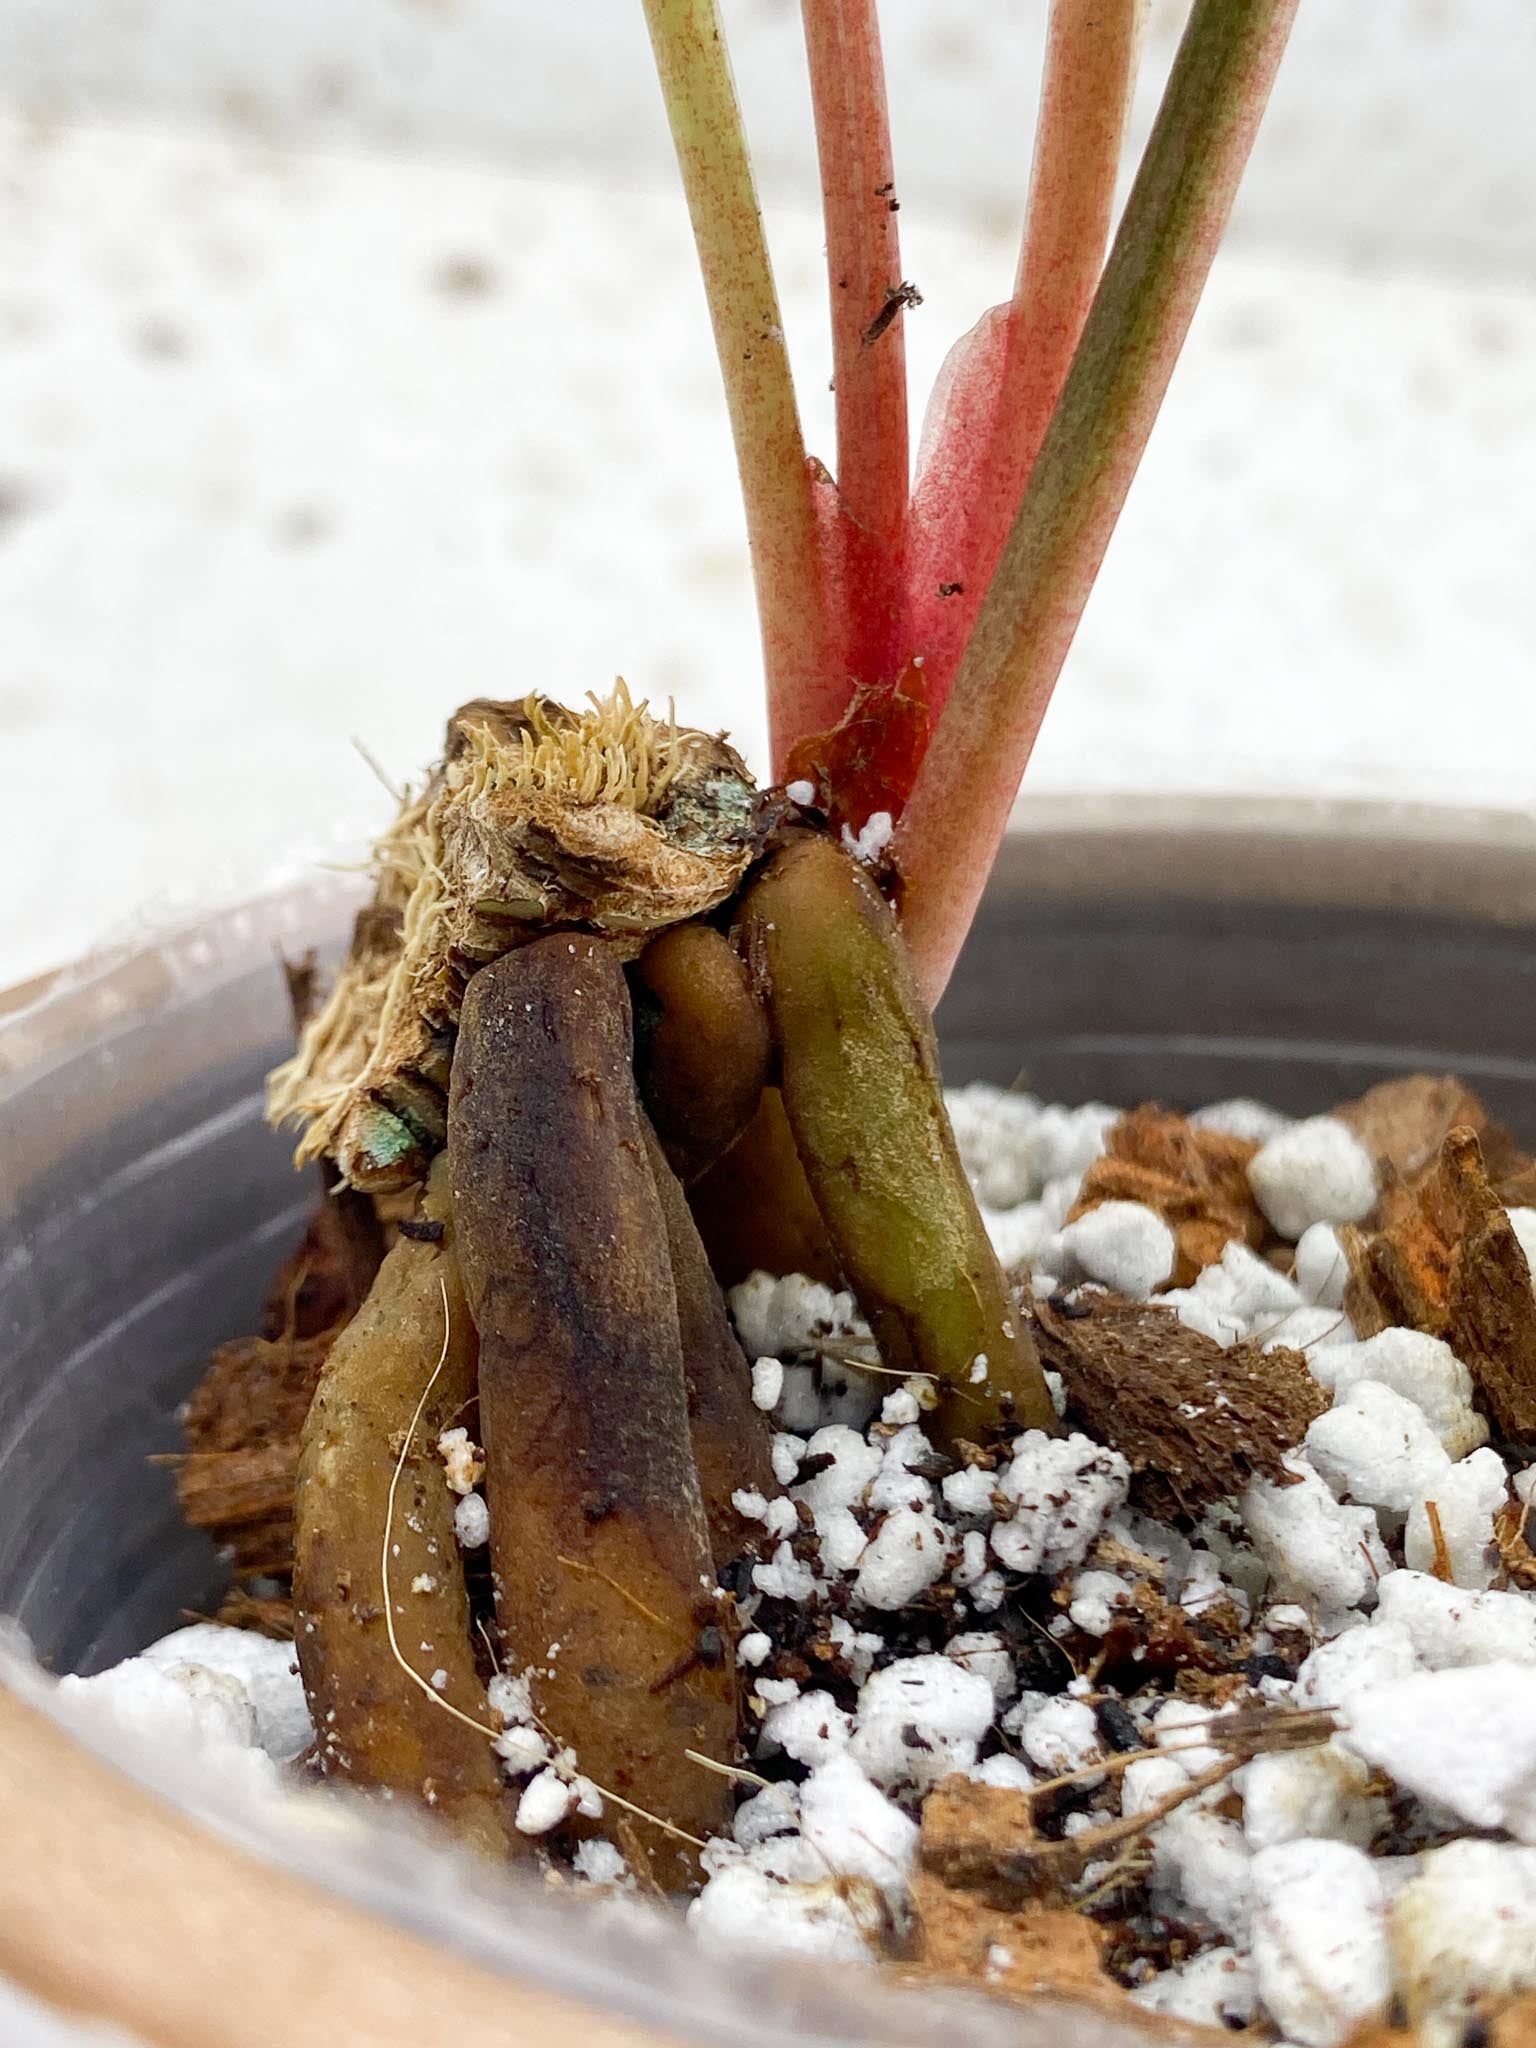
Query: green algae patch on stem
{"points": [[600, 1549], [861, 1087], [390, 1673]]}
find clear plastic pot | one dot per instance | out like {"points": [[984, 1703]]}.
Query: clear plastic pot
{"points": [[1125, 951]]}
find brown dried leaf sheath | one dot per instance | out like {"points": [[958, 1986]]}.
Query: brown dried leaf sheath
{"points": [[754, 1207], [375, 1725], [1195, 1421], [732, 1437], [703, 1061], [1446, 1260], [599, 1543]]}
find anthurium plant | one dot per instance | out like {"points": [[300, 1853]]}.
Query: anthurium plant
{"points": [[620, 1026]]}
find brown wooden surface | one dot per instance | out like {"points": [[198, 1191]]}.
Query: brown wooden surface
{"points": [[114, 1907]]}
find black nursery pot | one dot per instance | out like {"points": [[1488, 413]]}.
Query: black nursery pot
{"points": [[1126, 951]]}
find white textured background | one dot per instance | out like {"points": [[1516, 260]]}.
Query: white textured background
{"points": [[351, 363]]}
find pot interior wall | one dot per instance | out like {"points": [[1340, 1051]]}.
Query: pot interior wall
{"points": [[148, 1203]]}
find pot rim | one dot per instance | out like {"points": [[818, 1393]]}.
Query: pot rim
{"points": [[1356, 853]]}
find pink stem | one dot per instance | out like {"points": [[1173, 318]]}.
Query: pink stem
{"points": [[950, 830], [1007, 375], [805, 682], [869, 374]]}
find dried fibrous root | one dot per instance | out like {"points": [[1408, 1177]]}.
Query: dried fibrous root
{"points": [[732, 1437], [860, 1081], [985, 1839], [242, 1423], [600, 1547], [701, 1045], [382, 1614], [607, 818]]}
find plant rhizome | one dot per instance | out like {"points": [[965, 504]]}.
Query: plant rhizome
{"points": [[619, 1026]]}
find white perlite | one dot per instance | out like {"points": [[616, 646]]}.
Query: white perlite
{"points": [[1323, 1793], [1420, 1368], [1447, 1626], [1320, 1954], [1060, 1491], [472, 1522], [463, 1460], [920, 1719], [1316, 1171], [1465, 1739], [1377, 1448], [1214, 1990], [857, 1829], [1465, 1500], [266, 1671], [1123, 1244], [1322, 1553], [1464, 1936]]}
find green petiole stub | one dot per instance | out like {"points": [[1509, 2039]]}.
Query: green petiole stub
{"points": [[860, 1080]]}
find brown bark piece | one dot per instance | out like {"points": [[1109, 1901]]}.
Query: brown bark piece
{"points": [[1196, 1422], [1445, 1259], [1039, 1951], [1510, 1533], [244, 1499], [1196, 1180], [979, 1836], [598, 1536], [262, 1614], [1404, 1123]]}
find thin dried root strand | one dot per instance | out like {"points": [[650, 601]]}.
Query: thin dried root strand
{"points": [[736, 1772], [436, 1698], [860, 1082], [1241, 1736], [574, 1564]]}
